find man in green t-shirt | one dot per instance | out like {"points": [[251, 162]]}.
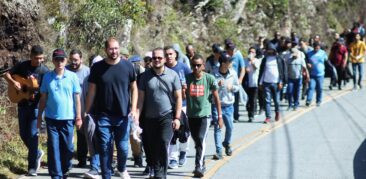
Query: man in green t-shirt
{"points": [[200, 86]]}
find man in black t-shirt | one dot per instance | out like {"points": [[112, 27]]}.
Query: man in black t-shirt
{"points": [[112, 83], [28, 109]]}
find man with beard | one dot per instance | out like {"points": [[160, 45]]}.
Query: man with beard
{"points": [[112, 88], [160, 97], [82, 72]]}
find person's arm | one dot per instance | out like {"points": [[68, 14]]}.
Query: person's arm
{"points": [[134, 96], [41, 107], [11, 81], [241, 74], [345, 58], [140, 104], [90, 97], [78, 121], [178, 109], [218, 106]]}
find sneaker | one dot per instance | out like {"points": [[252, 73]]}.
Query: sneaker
{"points": [[318, 104], [182, 158], [307, 104], [198, 172], [295, 108], [148, 172], [32, 172], [277, 117], [81, 164], [91, 174], [173, 164], [217, 156], [359, 85], [267, 120], [228, 150], [124, 175], [138, 162], [236, 120], [251, 119], [39, 159]]}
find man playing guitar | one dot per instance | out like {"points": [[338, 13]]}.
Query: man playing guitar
{"points": [[32, 69]]}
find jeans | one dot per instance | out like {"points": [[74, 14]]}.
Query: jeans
{"points": [[358, 66], [59, 146], [109, 129], [27, 117], [227, 117], [271, 91], [316, 83], [293, 92]]}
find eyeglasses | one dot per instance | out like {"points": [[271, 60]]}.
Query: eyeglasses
{"points": [[197, 65], [157, 58]]}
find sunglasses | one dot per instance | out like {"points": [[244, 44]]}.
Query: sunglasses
{"points": [[197, 65], [157, 58]]}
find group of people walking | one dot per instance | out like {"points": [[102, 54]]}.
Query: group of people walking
{"points": [[173, 97]]}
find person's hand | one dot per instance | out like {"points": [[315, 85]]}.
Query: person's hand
{"points": [[221, 83], [17, 85], [176, 124], [220, 121], [78, 122], [280, 86], [229, 87], [135, 117], [309, 65]]}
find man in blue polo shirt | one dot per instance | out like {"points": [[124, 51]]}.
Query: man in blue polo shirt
{"points": [[60, 99], [316, 59]]}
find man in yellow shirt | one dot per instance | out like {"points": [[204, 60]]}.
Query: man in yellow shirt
{"points": [[357, 54]]}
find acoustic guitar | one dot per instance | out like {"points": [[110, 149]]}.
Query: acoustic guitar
{"points": [[28, 87]]}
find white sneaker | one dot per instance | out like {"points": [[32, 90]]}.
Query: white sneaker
{"points": [[39, 159], [124, 175], [32, 172], [91, 174]]}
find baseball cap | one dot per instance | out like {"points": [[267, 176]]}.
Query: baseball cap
{"points": [[59, 53]]}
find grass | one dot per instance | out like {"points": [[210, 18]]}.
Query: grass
{"points": [[13, 160]]}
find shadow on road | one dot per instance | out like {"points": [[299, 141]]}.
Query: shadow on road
{"points": [[359, 162]]}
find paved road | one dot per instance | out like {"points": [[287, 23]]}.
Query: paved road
{"points": [[313, 142]]}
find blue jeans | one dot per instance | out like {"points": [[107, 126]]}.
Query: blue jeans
{"points": [[95, 162], [109, 129], [28, 132], [293, 92], [316, 83], [227, 116], [59, 146], [271, 91], [358, 66]]}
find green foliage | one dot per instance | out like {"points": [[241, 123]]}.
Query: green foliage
{"points": [[225, 27], [91, 22], [273, 8], [213, 5]]}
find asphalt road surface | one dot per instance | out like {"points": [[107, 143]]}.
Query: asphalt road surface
{"points": [[313, 142]]}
